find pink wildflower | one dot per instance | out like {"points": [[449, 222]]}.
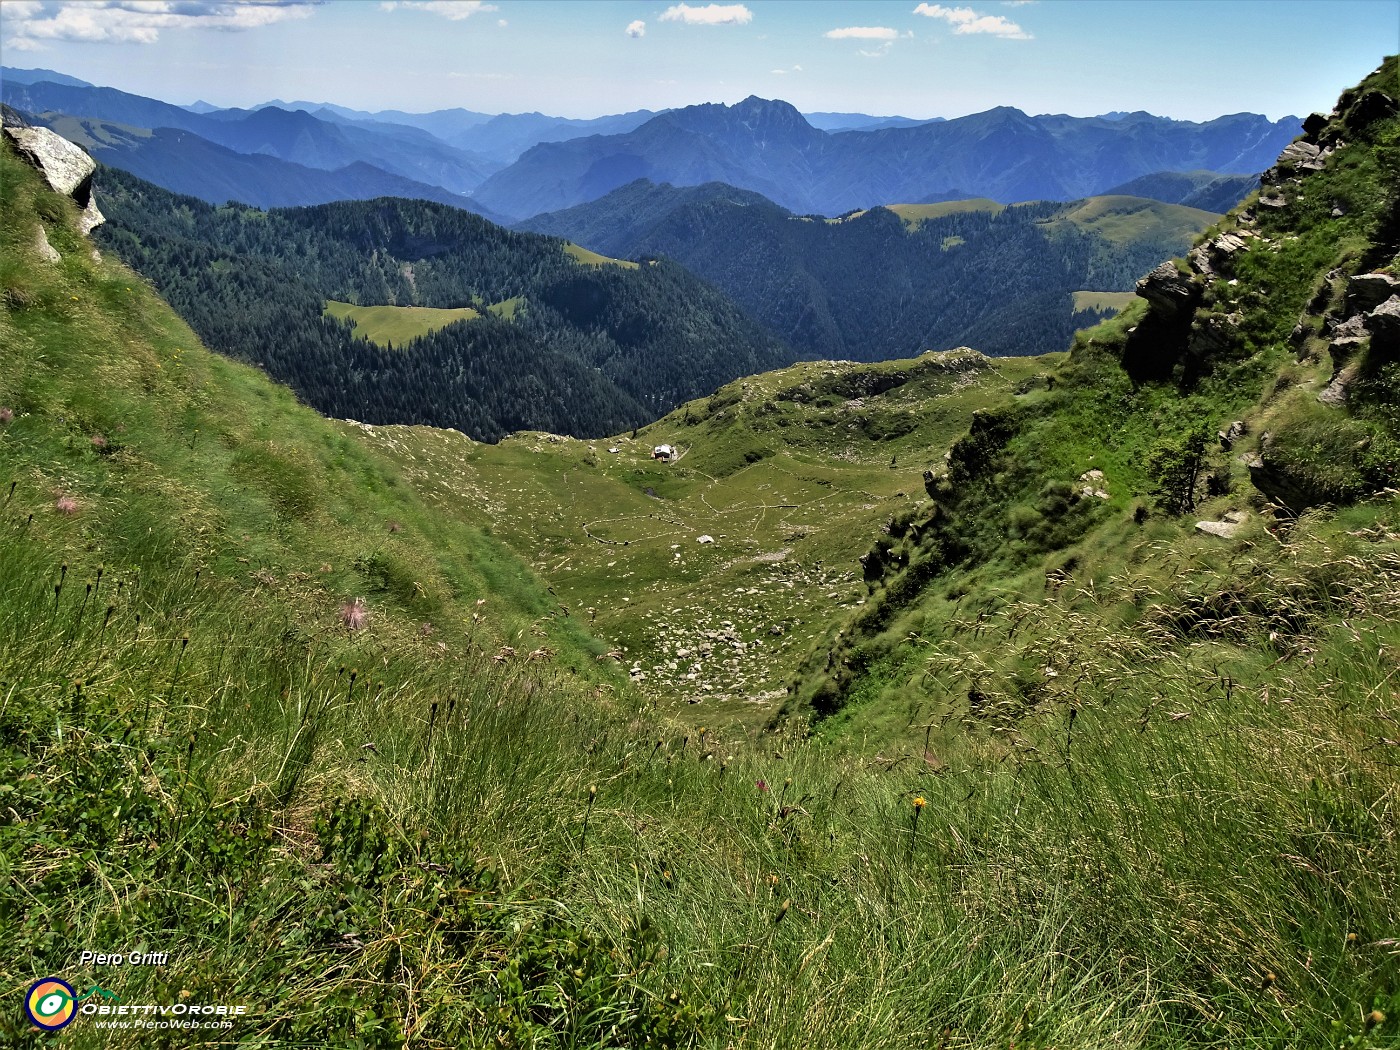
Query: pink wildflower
{"points": [[98, 441], [7, 415], [762, 785], [354, 615], [66, 505]]}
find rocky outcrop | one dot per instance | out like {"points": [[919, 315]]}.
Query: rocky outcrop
{"points": [[1366, 291], [1215, 256], [1336, 392], [1213, 334], [1169, 292], [66, 168], [1231, 434], [1384, 323]]}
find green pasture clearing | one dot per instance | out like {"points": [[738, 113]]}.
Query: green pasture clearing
{"points": [[397, 325], [1102, 301], [591, 258], [915, 215], [1121, 220]]}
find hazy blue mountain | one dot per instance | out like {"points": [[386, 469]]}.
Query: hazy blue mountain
{"points": [[768, 147], [201, 107], [861, 121], [10, 74], [183, 162], [507, 136], [890, 282], [294, 136]]}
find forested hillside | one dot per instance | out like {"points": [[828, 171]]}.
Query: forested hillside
{"points": [[886, 283], [591, 349]]}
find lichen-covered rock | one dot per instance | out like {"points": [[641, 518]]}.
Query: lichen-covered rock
{"points": [[65, 166], [1336, 392]]}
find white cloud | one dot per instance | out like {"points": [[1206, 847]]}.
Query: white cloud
{"points": [[636, 30], [785, 72], [137, 21], [502, 22], [456, 10], [965, 20], [861, 33], [879, 52], [709, 15]]}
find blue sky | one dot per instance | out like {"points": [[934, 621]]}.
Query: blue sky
{"points": [[1189, 59]]}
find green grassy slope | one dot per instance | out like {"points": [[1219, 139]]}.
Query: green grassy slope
{"points": [[788, 473], [1096, 781]]}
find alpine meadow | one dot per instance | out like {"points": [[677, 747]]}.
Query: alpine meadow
{"points": [[705, 576]]}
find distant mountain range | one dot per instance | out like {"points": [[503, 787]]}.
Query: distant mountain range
{"points": [[768, 146], [890, 282], [523, 164], [290, 135], [184, 162]]}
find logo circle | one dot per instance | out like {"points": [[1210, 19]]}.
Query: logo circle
{"points": [[51, 1004]]}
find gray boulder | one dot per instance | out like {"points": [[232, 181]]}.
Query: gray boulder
{"points": [[1224, 529], [66, 168]]}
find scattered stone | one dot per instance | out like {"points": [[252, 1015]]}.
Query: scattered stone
{"points": [[705, 539], [1205, 258], [1313, 124], [46, 251], [1231, 434], [1226, 530], [1336, 392], [1235, 517], [1338, 212], [1273, 202]]}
